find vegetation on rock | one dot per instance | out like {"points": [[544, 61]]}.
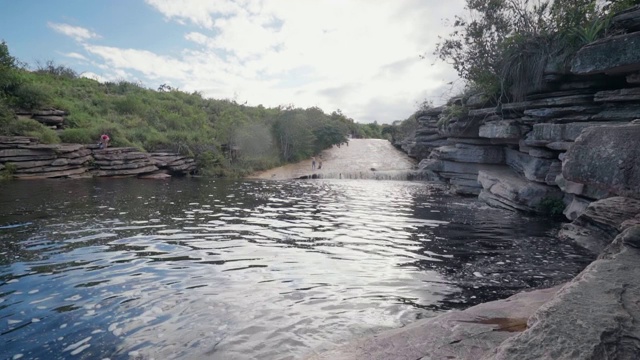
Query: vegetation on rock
{"points": [[504, 47]]}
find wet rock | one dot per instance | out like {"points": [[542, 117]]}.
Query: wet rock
{"points": [[505, 189], [467, 334], [595, 316], [596, 58], [600, 222], [608, 158]]}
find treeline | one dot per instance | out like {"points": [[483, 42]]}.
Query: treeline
{"points": [[226, 138]]}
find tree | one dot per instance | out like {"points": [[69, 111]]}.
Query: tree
{"points": [[503, 46]]}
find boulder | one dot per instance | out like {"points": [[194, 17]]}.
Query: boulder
{"points": [[595, 316], [596, 57], [608, 158], [600, 222], [505, 189], [470, 153]]}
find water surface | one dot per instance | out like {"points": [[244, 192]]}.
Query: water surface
{"points": [[227, 269]]}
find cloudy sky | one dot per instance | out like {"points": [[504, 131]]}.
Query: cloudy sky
{"points": [[359, 56]]}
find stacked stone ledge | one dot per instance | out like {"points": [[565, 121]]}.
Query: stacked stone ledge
{"points": [[25, 158], [52, 118], [510, 154]]}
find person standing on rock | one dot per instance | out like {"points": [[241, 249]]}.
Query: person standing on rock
{"points": [[319, 164], [313, 163], [104, 141]]}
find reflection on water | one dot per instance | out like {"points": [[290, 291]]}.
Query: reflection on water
{"points": [[242, 269]]}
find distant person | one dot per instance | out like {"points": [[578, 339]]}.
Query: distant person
{"points": [[319, 164], [313, 163], [104, 141]]}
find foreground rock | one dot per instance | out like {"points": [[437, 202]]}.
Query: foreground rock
{"points": [[608, 158], [467, 334], [595, 316]]}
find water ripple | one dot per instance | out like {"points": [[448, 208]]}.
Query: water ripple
{"points": [[244, 269]]}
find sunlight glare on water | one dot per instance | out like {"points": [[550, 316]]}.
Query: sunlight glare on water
{"points": [[249, 269]]}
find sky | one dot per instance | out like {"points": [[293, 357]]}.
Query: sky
{"points": [[362, 57]]}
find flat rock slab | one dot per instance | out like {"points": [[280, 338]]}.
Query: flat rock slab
{"points": [[596, 57], [595, 316], [467, 334]]}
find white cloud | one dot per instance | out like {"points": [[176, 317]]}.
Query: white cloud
{"points": [[76, 32], [361, 56], [94, 76], [75, 55]]}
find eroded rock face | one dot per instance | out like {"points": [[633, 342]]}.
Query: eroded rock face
{"points": [[600, 222], [505, 189], [595, 316], [608, 158]]}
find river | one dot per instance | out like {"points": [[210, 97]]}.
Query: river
{"points": [[249, 269]]}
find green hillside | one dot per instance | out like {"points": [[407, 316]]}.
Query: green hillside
{"points": [[226, 138]]}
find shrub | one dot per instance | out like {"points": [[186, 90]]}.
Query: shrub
{"points": [[32, 96], [79, 136], [552, 207]]}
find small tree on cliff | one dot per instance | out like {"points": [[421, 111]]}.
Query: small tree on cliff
{"points": [[503, 46]]}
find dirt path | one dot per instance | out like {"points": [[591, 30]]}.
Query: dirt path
{"points": [[360, 156]]}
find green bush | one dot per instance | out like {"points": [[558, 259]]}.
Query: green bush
{"points": [[8, 171], [552, 207], [30, 96]]}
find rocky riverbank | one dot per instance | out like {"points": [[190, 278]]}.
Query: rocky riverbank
{"points": [[24, 158], [573, 144]]}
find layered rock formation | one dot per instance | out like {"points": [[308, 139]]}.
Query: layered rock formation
{"points": [[24, 158], [50, 117], [574, 140], [515, 155]]}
